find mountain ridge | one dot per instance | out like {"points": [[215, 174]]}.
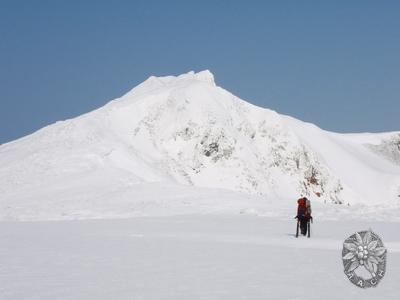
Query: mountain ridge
{"points": [[187, 130]]}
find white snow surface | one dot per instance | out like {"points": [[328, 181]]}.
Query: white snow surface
{"points": [[175, 144], [186, 257]]}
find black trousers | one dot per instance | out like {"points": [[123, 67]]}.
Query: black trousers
{"points": [[303, 224]]}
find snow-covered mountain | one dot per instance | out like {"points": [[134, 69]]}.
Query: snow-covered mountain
{"points": [[186, 130]]}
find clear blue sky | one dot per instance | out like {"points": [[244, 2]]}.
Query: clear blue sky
{"points": [[333, 63]]}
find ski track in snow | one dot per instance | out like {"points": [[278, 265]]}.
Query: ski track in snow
{"points": [[323, 244]]}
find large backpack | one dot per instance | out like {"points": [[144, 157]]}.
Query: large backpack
{"points": [[303, 209]]}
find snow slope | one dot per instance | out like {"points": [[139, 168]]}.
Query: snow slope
{"points": [[184, 135]]}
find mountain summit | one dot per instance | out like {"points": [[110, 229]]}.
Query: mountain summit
{"points": [[185, 130]]}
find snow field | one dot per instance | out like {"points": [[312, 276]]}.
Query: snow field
{"points": [[185, 257]]}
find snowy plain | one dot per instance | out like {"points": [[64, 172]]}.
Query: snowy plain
{"points": [[189, 243], [186, 257]]}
